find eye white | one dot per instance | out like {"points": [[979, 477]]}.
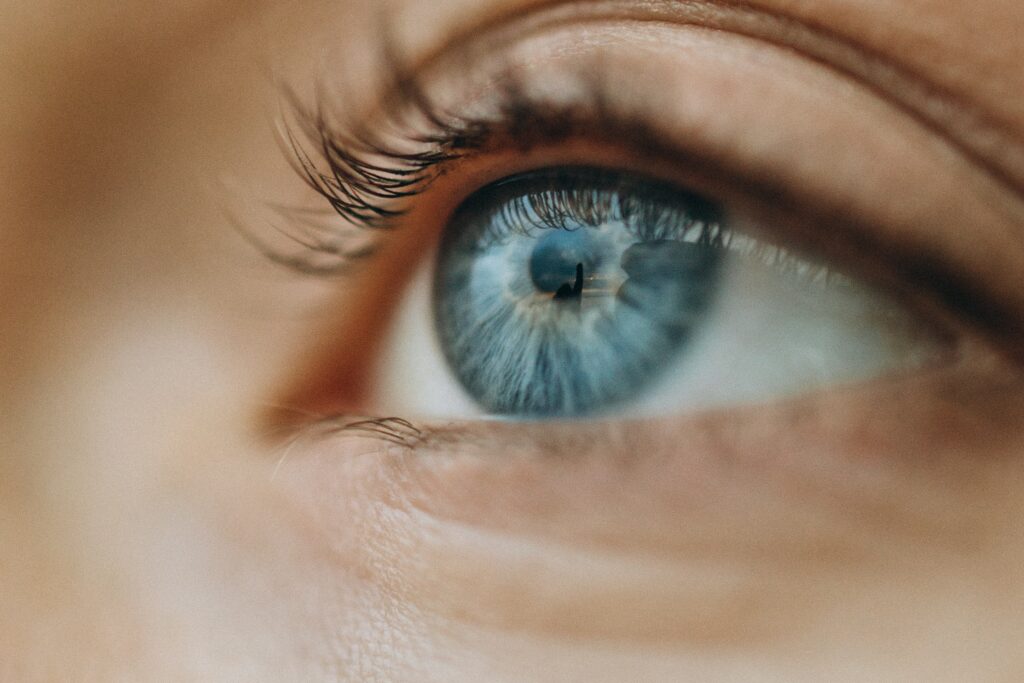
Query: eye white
{"points": [[412, 375], [773, 331]]}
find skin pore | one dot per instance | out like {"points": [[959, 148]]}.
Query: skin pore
{"points": [[158, 526]]}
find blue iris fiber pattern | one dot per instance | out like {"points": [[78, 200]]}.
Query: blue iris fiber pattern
{"points": [[565, 292]]}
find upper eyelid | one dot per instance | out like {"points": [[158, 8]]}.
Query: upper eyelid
{"points": [[969, 129], [363, 193], [973, 301]]}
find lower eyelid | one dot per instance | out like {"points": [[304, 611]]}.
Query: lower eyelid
{"points": [[841, 478], [946, 413]]}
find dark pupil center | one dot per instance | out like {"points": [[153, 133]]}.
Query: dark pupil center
{"points": [[561, 261]]}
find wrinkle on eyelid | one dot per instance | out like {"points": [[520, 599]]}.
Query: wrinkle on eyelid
{"points": [[989, 143]]}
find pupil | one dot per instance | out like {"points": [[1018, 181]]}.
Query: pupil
{"points": [[555, 259]]}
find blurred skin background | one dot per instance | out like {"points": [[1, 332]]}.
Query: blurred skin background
{"points": [[157, 525]]}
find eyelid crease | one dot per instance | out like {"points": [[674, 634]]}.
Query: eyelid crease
{"points": [[973, 132], [358, 189]]}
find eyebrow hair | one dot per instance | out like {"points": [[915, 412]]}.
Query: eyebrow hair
{"points": [[968, 128]]}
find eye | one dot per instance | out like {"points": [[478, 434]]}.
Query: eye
{"points": [[576, 291], [521, 238]]}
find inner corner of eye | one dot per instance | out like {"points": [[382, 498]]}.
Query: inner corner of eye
{"points": [[576, 291]]}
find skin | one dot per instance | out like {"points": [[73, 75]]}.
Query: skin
{"points": [[156, 525]]}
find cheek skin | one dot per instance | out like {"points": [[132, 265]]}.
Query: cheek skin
{"points": [[777, 530]]}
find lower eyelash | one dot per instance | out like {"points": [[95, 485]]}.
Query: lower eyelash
{"points": [[393, 430]]}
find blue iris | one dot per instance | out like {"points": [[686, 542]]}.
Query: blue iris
{"points": [[566, 291]]}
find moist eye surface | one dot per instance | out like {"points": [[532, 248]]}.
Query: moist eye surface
{"points": [[564, 292]]}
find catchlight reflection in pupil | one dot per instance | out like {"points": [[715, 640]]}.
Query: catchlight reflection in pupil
{"points": [[564, 292]]}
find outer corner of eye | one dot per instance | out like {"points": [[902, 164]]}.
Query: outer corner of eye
{"points": [[573, 292]]}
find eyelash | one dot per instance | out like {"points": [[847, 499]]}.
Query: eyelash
{"points": [[364, 176]]}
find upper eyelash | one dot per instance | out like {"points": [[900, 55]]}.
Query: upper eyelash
{"points": [[550, 198], [567, 194], [357, 188], [366, 175]]}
